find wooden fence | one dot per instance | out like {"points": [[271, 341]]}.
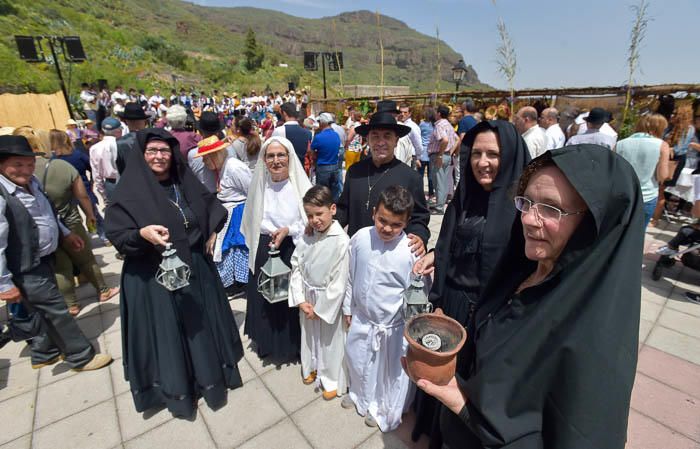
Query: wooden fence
{"points": [[40, 111]]}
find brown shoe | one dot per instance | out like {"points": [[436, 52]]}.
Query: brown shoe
{"points": [[329, 395], [308, 380], [48, 362], [97, 362]]}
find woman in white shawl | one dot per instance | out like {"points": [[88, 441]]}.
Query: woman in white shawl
{"points": [[274, 214]]}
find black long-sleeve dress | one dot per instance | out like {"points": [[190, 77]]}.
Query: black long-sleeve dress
{"points": [[553, 366], [182, 345]]}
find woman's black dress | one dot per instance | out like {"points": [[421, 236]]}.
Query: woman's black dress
{"points": [[274, 328], [553, 366], [182, 345], [474, 233]]}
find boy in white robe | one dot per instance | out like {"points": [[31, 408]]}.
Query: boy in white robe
{"points": [[381, 265], [317, 287]]}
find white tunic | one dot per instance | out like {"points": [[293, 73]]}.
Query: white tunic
{"points": [[380, 272], [319, 276]]}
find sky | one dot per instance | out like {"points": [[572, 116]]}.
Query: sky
{"points": [[559, 43]]}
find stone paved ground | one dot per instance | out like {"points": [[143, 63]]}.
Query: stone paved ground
{"points": [[56, 408]]}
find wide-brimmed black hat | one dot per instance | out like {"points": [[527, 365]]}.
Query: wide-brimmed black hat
{"points": [[387, 106], [15, 146], [133, 111], [210, 122], [597, 116], [383, 120]]}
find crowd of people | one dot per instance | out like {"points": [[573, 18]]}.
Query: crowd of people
{"points": [[531, 213]]}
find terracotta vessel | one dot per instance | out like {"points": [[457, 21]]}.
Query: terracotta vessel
{"points": [[423, 363]]}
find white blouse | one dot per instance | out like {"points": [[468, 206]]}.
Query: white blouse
{"points": [[281, 208], [235, 181]]}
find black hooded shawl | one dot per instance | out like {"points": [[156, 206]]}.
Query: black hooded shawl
{"points": [[553, 366], [139, 200], [500, 213]]}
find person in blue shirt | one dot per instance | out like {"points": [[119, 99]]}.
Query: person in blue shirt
{"points": [[423, 165], [325, 144]]}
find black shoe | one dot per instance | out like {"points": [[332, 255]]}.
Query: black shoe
{"points": [[692, 297], [235, 290]]}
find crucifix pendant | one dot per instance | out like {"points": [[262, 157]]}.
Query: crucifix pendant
{"points": [[367, 205]]}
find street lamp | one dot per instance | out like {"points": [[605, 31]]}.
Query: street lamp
{"points": [[458, 73]]}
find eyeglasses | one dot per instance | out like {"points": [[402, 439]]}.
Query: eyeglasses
{"points": [[165, 152], [280, 156], [544, 211]]}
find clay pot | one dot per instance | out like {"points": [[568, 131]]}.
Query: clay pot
{"points": [[423, 363]]}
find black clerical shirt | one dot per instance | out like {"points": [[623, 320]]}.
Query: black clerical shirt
{"points": [[363, 184]]}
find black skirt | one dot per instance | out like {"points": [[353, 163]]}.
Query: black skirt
{"points": [[274, 328], [178, 346], [455, 304]]}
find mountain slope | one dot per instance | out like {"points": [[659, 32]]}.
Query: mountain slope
{"points": [[148, 43]]}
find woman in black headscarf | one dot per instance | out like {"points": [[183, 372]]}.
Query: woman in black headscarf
{"points": [[553, 357], [474, 233], [183, 344]]}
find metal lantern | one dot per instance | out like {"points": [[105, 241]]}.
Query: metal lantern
{"points": [[172, 273], [458, 73], [415, 300], [273, 281]]}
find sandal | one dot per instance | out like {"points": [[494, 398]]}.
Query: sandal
{"points": [[74, 310], [109, 294]]}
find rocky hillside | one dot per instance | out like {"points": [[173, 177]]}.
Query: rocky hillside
{"points": [[147, 43]]}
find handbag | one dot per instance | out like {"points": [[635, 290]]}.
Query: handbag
{"points": [[24, 328]]}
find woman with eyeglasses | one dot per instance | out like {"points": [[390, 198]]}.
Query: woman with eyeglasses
{"points": [[474, 233], [553, 353], [184, 344], [273, 217]]}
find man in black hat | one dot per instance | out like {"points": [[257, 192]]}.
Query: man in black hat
{"points": [[366, 179], [136, 120], [594, 121], [404, 151], [29, 235], [208, 125]]}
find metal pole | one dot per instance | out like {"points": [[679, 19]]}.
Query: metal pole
{"points": [[51, 40], [323, 64]]}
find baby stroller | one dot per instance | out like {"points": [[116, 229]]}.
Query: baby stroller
{"points": [[688, 236]]}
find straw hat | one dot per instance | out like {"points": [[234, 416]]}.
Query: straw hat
{"points": [[211, 144]]}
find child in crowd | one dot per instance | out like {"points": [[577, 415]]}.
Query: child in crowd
{"points": [[380, 271], [317, 287]]}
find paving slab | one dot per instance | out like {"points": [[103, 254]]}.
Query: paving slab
{"points": [[23, 442], [17, 379], [282, 435], [286, 386], [681, 322], [675, 409], [66, 397], [327, 425], [133, 423], [645, 433], [94, 428], [671, 370], [17, 415], [676, 343], [250, 410], [175, 434]]}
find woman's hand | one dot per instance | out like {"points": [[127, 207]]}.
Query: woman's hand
{"points": [[449, 394], [74, 241], [156, 234], [211, 243], [425, 265], [279, 235], [416, 244], [12, 295]]}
